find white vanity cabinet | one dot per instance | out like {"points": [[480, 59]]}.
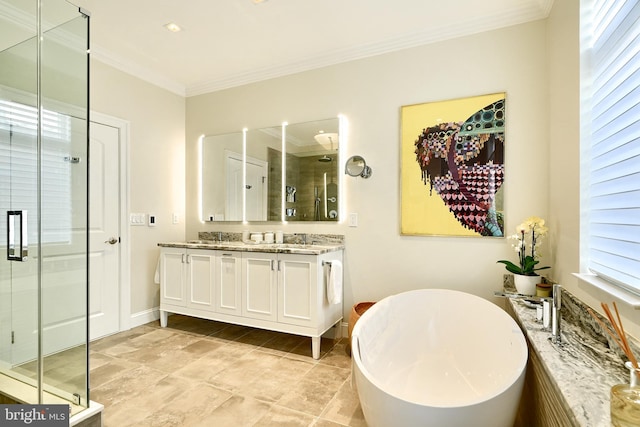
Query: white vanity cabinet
{"points": [[280, 287], [298, 283], [259, 285], [188, 279], [173, 277], [287, 292], [284, 292], [229, 283]]}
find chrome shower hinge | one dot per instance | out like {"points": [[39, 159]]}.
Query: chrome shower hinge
{"points": [[71, 159]]}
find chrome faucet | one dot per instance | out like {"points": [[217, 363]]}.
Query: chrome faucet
{"points": [[219, 236], [556, 318], [304, 238], [550, 310]]}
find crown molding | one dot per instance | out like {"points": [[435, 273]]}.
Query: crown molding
{"points": [[18, 17], [545, 7], [406, 41], [539, 9], [143, 73], [26, 22], [529, 11]]}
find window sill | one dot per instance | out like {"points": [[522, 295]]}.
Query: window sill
{"points": [[596, 282]]}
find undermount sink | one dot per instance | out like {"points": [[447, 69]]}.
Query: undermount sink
{"points": [[214, 242], [298, 246], [262, 245]]}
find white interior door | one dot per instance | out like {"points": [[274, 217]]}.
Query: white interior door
{"points": [[234, 188], [256, 190], [104, 232], [256, 185]]}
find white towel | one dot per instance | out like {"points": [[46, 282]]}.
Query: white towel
{"points": [[334, 284]]}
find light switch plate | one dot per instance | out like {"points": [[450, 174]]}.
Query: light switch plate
{"points": [[137, 219], [353, 219], [152, 220]]}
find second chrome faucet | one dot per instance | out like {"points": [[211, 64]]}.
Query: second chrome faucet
{"points": [[550, 316], [556, 317]]}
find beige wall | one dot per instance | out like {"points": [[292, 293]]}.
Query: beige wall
{"points": [[369, 92], [156, 168], [537, 64]]}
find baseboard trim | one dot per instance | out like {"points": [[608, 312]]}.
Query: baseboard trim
{"points": [[142, 317], [344, 329]]}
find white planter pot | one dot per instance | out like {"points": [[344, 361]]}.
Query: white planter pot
{"points": [[526, 285]]}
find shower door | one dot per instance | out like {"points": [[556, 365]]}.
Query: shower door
{"points": [[19, 280], [43, 199], [18, 193]]}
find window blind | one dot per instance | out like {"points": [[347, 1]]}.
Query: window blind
{"points": [[613, 33], [18, 169]]}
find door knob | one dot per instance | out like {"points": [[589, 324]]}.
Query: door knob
{"points": [[112, 241]]}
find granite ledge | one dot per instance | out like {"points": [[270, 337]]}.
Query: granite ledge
{"points": [[584, 367], [285, 248]]}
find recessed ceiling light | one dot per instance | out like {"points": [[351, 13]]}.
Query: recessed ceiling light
{"points": [[173, 27], [259, 1]]}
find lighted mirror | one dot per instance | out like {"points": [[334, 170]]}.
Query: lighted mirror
{"points": [[252, 179], [263, 189], [311, 184], [222, 179]]}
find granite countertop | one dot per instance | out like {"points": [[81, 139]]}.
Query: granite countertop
{"points": [[279, 248], [584, 366]]}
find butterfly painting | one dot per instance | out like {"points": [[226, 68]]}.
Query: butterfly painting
{"points": [[461, 165]]}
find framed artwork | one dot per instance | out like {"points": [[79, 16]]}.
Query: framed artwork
{"points": [[452, 167]]}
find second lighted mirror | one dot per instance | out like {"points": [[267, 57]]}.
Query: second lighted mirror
{"points": [[221, 177], [311, 184]]}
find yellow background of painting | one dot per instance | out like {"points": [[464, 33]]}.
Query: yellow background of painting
{"points": [[420, 212]]}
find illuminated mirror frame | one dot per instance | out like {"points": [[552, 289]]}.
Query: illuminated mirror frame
{"points": [[342, 143], [283, 172]]}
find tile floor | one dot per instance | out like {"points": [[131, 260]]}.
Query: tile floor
{"points": [[203, 373]]}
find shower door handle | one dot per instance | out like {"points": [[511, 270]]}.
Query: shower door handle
{"points": [[17, 247], [112, 241]]}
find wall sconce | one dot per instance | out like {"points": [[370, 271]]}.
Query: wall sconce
{"points": [[356, 166]]}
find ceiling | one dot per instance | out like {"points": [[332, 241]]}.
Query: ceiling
{"points": [[227, 43]]}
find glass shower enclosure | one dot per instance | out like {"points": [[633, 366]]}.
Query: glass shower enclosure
{"points": [[44, 67]]}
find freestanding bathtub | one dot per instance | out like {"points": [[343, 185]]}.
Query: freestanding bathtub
{"points": [[436, 357]]}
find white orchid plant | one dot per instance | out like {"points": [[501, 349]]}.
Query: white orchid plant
{"points": [[528, 239]]}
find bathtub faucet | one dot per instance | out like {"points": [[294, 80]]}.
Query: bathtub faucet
{"points": [[556, 318], [551, 318]]}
